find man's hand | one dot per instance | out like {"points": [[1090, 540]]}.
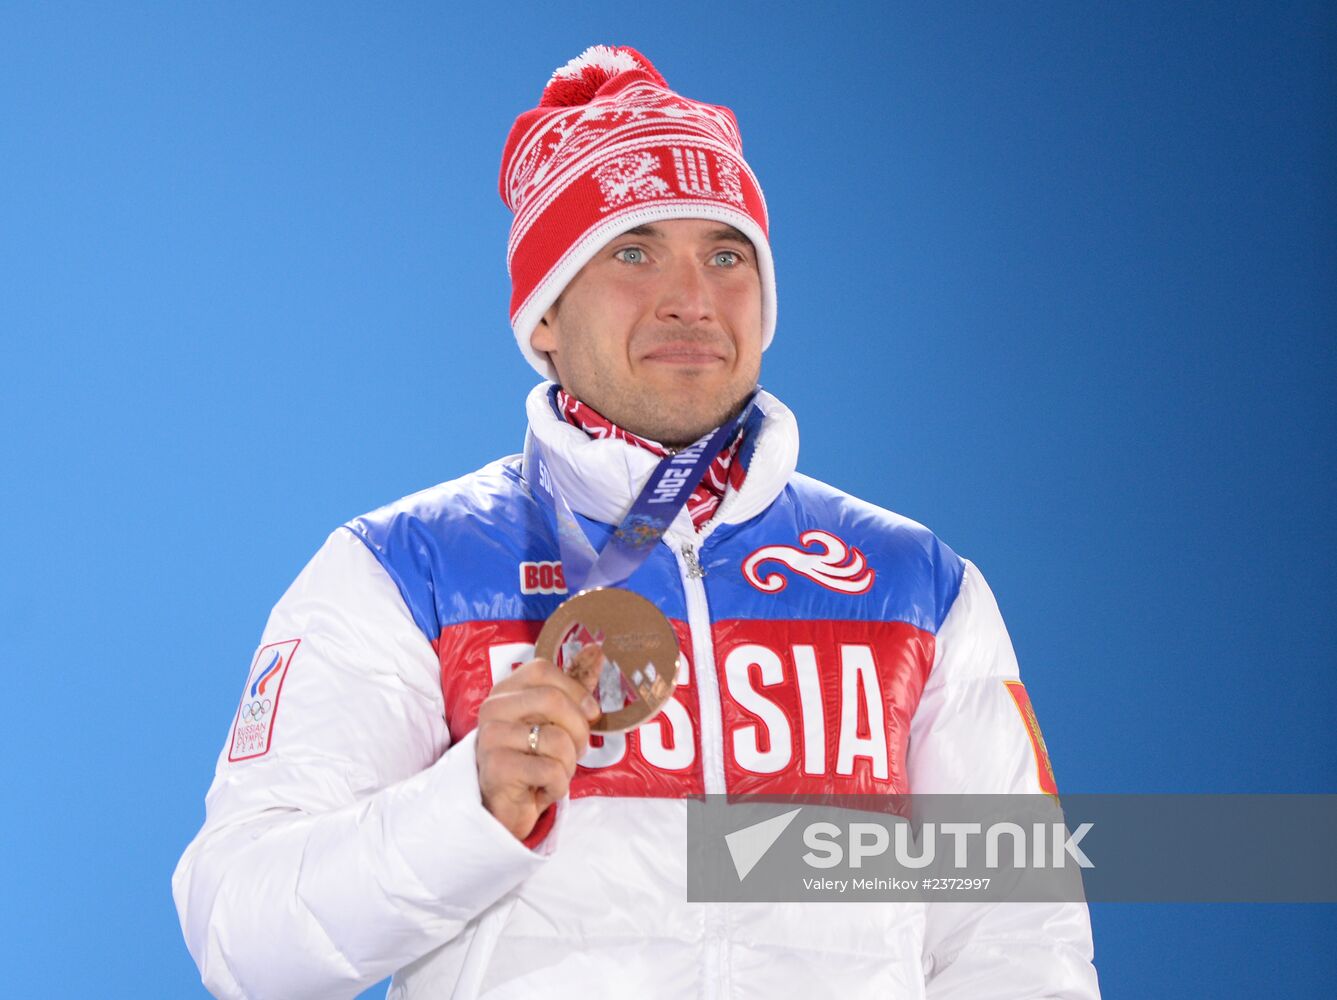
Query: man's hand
{"points": [[521, 776]]}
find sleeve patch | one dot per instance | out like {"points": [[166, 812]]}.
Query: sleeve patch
{"points": [[1044, 770], [253, 728]]}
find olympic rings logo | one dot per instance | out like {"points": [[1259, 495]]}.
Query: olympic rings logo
{"points": [[256, 710]]}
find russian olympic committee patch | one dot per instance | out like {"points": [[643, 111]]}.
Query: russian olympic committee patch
{"points": [[254, 726]]}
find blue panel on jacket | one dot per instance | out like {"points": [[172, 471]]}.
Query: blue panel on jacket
{"points": [[455, 553], [900, 572]]}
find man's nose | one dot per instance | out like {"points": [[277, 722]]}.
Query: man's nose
{"points": [[684, 294]]}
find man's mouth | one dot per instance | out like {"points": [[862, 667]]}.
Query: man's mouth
{"points": [[685, 354]]}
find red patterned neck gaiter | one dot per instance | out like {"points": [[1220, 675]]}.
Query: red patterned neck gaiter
{"points": [[723, 473]]}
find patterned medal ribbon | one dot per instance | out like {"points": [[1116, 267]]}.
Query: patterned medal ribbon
{"points": [[664, 494]]}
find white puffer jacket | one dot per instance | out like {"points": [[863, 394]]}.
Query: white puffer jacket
{"points": [[345, 839]]}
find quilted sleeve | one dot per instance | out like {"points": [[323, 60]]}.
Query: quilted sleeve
{"points": [[344, 837], [969, 736]]}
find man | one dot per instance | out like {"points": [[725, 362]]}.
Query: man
{"points": [[408, 790]]}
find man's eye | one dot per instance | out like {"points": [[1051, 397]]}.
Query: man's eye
{"points": [[630, 255], [727, 258]]}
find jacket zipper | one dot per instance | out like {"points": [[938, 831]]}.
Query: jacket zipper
{"points": [[707, 682], [713, 969]]}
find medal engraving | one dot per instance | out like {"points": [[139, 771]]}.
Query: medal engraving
{"points": [[627, 640]]}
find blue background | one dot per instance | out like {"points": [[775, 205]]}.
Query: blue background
{"points": [[1056, 279]]}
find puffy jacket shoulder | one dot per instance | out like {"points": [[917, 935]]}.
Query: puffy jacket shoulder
{"points": [[431, 543], [917, 574]]}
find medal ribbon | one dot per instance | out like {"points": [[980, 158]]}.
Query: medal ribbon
{"points": [[664, 494]]}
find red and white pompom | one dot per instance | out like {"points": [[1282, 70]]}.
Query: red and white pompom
{"points": [[577, 81]]}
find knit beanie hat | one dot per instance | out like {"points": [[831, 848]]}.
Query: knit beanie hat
{"points": [[611, 147]]}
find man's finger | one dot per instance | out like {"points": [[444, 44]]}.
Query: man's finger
{"points": [[544, 740], [544, 673], [519, 774], [543, 704]]}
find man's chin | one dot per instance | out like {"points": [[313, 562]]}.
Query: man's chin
{"points": [[682, 429]]}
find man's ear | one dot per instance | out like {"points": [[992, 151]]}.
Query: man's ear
{"points": [[542, 339]]}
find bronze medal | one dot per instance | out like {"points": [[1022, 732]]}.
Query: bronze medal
{"points": [[639, 665]]}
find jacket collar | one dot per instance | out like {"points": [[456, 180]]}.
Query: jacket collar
{"points": [[602, 478]]}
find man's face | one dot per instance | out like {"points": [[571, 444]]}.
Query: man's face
{"points": [[661, 331]]}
